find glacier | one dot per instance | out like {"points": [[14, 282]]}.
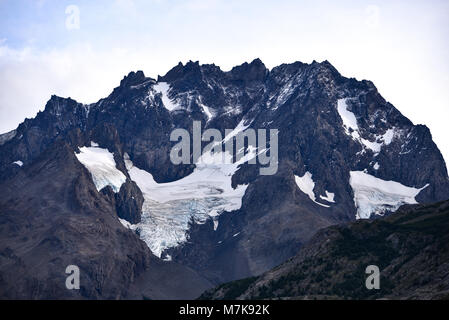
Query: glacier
{"points": [[170, 208], [373, 195]]}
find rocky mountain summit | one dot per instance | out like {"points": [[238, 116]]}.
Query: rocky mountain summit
{"points": [[93, 184]]}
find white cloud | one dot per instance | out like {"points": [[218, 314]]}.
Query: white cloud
{"points": [[29, 77]]}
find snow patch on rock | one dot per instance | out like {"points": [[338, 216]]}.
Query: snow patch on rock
{"points": [[306, 185], [348, 118], [206, 109], [18, 162], [164, 89], [352, 129], [329, 197], [101, 165]]}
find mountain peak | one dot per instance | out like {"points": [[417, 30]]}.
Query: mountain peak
{"points": [[342, 152], [180, 71], [257, 62], [133, 78], [254, 71]]}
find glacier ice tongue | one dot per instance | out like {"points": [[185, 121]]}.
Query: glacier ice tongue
{"points": [[376, 196], [170, 208]]}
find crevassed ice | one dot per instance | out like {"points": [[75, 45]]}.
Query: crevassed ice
{"points": [[376, 196], [101, 165], [170, 208], [306, 185]]}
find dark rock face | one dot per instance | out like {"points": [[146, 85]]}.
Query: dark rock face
{"points": [[33, 136], [247, 73], [410, 248], [129, 202], [276, 218], [70, 223]]}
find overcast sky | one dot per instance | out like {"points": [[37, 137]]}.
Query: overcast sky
{"points": [[82, 49]]}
